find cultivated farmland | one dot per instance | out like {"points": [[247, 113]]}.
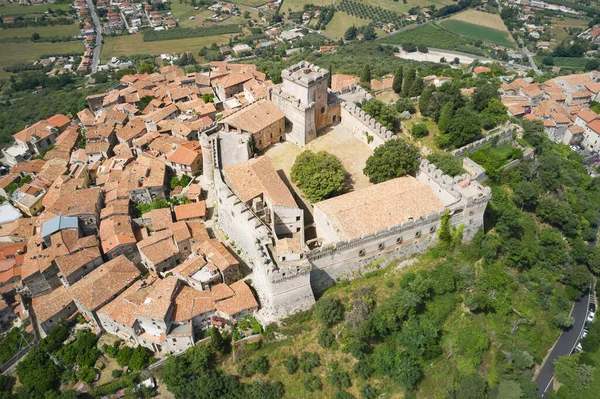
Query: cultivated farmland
{"points": [[341, 22], [479, 25], [298, 5], [44, 31]]}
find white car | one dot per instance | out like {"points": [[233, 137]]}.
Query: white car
{"points": [[590, 317], [584, 333]]}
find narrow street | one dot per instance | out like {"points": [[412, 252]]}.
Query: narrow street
{"points": [[98, 29]]}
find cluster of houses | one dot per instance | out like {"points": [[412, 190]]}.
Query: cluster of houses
{"points": [[71, 232], [562, 104]]}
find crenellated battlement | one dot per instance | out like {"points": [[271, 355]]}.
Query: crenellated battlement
{"points": [[371, 123], [499, 134]]}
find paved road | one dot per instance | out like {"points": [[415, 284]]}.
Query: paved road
{"points": [[564, 345], [98, 28]]}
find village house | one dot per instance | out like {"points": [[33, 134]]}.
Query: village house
{"points": [[262, 120], [117, 237], [159, 252], [103, 285], [50, 309]]}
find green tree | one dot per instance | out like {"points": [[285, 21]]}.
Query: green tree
{"points": [[471, 386], [329, 310], [496, 111], [509, 390], [87, 374], [146, 67], [464, 127], [446, 117], [385, 114], [124, 356], [416, 88], [525, 195], [217, 342], [319, 175], [482, 96], [338, 377], [425, 100], [35, 37], [395, 158], [398, 77], [140, 358], [405, 104], [144, 101], [351, 33], [408, 82], [365, 75]]}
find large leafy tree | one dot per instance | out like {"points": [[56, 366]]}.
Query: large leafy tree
{"points": [[329, 310], [393, 159], [483, 95], [319, 175], [398, 76]]}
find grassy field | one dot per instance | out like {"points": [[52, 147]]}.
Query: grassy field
{"points": [[564, 62], [134, 44], [16, 9], [480, 18], [44, 31], [558, 26], [297, 5], [473, 31], [19, 53]]}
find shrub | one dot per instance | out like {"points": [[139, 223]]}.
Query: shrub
{"points": [[338, 377], [325, 338], [245, 371], [309, 360], [448, 164], [405, 104], [313, 383], [563, 320], [419, 130], [260, 364], [140, 358], [116, 374], [291, 364]]}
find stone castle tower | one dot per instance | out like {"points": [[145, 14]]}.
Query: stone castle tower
{"points": [[303, 98]]}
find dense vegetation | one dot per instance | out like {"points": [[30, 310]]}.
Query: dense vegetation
{"points": [[368, 12], [319, 175]]}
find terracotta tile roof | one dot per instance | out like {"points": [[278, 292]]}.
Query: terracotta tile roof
{"points": [[243, 300], [116, 116], [114, 208], [378, 207], [98, 287], [289, 246], [587, 115], [232, 79], [481, 69], [594, 125], [186, 154], [22, 228], [339, 81], [58, 121], [70, 263], [256, 177], [160, 114], [255, 117], [116, 230], [160, 218], [122, 308], [40, 129], [47, 306], [218, 254], [134, 128], [160, 251], [194, 210], [33, 166], [198, 231], [576, 129], [81, 202], [8, 179], [158, 300], [190, 303], [191, 265], [180, 231]]}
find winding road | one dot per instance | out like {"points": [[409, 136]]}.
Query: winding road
{"points": [[98, 29], [564, 345]]}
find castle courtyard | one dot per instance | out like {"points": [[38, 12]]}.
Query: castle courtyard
{"points": [[336, 140]]}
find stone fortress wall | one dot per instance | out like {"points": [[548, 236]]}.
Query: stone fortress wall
{"points": [[363, 126], [502, 134], [348, 259]]}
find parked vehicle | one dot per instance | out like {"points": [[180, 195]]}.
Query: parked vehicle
{"points": [[590, 317]]}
